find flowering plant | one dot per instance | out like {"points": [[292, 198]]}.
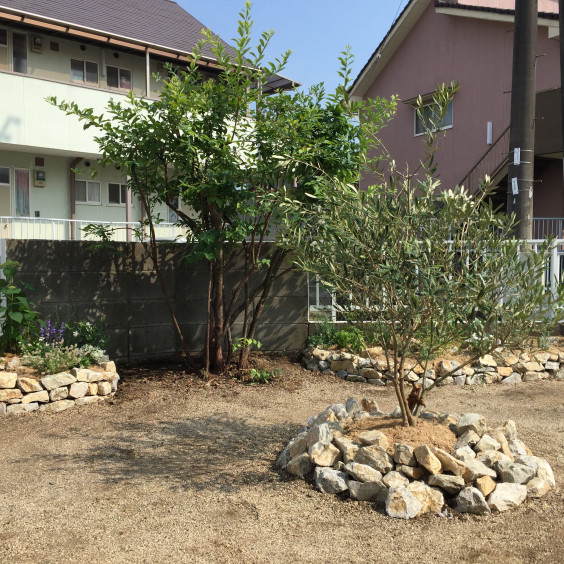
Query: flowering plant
{"points": [[50, 352]]}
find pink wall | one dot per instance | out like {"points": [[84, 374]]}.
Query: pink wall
{"points": [[478, 55]]}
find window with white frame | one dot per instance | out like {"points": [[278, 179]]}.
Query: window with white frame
{"points": [[117, 194], [118, 78], [84, 71], [428, 118], [87, 192], [4, 175]]}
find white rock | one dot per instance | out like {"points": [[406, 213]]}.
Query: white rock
{"points": [[324, 454], [104, 388], [57, 380], [41, 397], [449, 484], [87, 375], [375, 457], [506, 496], [514, 473], [427, 459], [362, 472], [78, 390], [347, 447], [298, 466], [94, 399], [471, 422], [19, 408], [318, 433], [331, 481], [464, 453], [514, 378], [57, 406], [403, 454], [8, 380], [537, 487], [470, 500], [368, 491], [59, 393], [486, 443], [373, 438], [469, 438], [395, 480], [402, 504], [431, 499], [27, 385]]}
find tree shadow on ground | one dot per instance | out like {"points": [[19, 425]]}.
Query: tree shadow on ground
{"points": [[222, 453]]}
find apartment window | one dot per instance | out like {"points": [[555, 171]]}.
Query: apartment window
{"points": [[4, 49], [19, 52], [117, 194], [118, 78], [427, 118], [87, 192], [84, 71], [4, 175]]}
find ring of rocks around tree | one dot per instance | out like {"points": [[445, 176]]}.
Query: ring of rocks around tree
{"points": [[464, 465]]}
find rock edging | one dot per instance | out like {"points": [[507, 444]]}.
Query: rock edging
{"points": [[489, 470], [56, 392], [505, 367]]}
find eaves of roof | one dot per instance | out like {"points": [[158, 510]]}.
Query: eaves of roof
{"points": [[86, 19], [504, 11], [403, 25]]}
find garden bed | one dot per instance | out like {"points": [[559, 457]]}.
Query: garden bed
{"points": [[173, 465]]}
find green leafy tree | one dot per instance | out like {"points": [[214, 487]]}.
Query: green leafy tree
{"points": [[426, 269], [225, 149]]}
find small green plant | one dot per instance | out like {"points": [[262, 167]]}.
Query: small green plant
{"points": [[262, 376], [84, 333], [19, 321], [352, 339], [324, 334], [242, 342]]}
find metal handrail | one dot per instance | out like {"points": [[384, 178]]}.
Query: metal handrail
{"points": [[12, 227], [475, 174]]}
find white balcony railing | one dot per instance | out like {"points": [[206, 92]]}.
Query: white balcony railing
{"points": [[68, 230]]}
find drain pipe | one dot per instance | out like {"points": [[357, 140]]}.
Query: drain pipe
{"points": [[72, 191]]}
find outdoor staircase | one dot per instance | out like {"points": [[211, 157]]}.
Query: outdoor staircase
{"points": [[491, 163]]}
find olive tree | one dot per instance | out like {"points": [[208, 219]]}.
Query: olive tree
{"points": [[425, 268]]}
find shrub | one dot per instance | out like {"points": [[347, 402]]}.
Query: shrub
{"points": [[19, 320]]}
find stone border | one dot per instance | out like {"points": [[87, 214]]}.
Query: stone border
{"points": [[489, 470], [56, 392], [506, 367]]}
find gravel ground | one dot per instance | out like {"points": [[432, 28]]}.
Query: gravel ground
{"points": [[175, 470]]}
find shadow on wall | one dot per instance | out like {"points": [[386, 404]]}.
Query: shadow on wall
{"points": [[74, 282]]}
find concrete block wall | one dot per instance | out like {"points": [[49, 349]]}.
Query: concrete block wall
{"points": [[73, 282]]}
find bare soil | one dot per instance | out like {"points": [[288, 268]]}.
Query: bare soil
{"points": [[426, 433], [179, 470]]}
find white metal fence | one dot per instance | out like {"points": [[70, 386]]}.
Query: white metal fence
{"points": [[323, 304], [74, 230]]}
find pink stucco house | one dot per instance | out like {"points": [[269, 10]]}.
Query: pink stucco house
{"points": [[471, 42]]}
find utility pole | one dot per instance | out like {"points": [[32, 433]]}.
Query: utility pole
{"points": [[522, 126]]}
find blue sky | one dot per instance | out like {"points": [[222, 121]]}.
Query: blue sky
{"points": [[315, 30]]}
